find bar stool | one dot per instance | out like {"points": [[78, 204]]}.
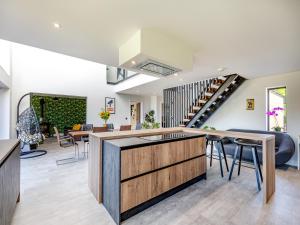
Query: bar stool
{"points": [[217, 140], [253, 145]]}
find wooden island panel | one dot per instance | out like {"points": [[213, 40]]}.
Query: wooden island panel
{"points": [[137, 161], [143, 188]]}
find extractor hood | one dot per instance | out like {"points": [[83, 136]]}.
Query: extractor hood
{"points": [[151, 51]]}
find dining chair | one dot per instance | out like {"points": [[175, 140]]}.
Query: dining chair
{"points": [[138, 126], [65, 142], [125, 127], [110, 126], [100, 129]]}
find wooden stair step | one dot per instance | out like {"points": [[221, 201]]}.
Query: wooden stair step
{"points": [[196, 108], [221, 78], [186, 120], [215, 86], [208, 94], [202, 101], [191, 114]]}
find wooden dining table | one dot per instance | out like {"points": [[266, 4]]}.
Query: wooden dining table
{"points": [[80, 133]]}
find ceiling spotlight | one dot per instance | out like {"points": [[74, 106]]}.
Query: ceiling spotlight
{"points": [[133, 62], [175, 74], [56, 25]]}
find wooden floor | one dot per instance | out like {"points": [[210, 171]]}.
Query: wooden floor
{"points": [[52, 194]]}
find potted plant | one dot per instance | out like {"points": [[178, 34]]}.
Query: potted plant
{"points": [[105, 116], [208, 128], [149, 122], [274, 113]]}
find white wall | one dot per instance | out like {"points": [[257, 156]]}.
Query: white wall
{"points": [[36, 70], [4, 113], [5, 84], [149, 103], [233, 113]]}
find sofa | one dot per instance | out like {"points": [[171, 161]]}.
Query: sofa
{"points": [[284, 146]]}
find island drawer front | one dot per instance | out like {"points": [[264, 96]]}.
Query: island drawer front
{"points": [[141, 160], [146, 187]]}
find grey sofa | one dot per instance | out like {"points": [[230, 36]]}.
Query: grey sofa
{"points": [[284, 146]]}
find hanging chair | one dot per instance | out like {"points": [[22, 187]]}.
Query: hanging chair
{"points": [[28, 131]]}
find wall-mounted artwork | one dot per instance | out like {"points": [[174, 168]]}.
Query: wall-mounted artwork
{"points": [[250, 104], [110, 105]]}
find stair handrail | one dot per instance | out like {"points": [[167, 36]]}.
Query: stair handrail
{"points": [[213, 98]]}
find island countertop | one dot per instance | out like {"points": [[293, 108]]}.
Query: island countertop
{"points": [[134, 142]]}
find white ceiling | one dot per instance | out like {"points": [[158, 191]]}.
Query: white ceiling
{"points": [[252, 38]]}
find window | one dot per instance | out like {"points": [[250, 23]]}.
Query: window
{"points": [[276, 107]]}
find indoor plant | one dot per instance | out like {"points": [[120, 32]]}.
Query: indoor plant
{"points": [[149, 122], [105, 116], [274, 113]]}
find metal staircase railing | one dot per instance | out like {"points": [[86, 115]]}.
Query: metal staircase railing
{"points": [[192, 104]]}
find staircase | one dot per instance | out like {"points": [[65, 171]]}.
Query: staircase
{"points": [[191, 105]]}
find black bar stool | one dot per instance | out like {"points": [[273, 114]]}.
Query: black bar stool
{"points": [[253, 145], [217, 140]]}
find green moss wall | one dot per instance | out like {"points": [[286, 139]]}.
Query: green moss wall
{"points": [[64, 112]]}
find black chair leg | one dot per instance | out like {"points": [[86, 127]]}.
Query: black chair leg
{"points": [[224, 154], [240, 159], [256, 169], [233, 162], [220, 161], [211, 152], [257, 159]]}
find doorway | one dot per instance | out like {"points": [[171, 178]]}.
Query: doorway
{"points": [[135, 113]]}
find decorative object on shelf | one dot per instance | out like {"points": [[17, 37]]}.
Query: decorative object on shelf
{"points": [[250, 104], [274, 113], [110, 105], [208, 128], [149, 122], [105, 116]]}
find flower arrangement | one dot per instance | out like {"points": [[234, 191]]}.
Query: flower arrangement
{"points": [[274, 113], [104, 115]]}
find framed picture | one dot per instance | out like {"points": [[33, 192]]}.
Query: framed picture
{"points": [[110, 105], [250, 104]]}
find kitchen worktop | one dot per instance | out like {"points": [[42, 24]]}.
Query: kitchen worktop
{"points": [[134, 142], [6, 147]]}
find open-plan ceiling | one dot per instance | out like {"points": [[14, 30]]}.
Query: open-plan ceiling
{"points": [[253, 38]]}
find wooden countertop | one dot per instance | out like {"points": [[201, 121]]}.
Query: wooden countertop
{"points": [[6, 146], [136, 133]]}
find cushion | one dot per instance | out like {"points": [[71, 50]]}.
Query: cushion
{"points": [[76, 127]]}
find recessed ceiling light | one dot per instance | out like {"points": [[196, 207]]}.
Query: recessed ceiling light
{"points": [[56, 25], [175, 74], [133, 62]]}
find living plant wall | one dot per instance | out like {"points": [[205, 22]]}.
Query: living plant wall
{"points": [[59, 111]]}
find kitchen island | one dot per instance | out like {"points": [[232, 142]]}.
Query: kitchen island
{"points": [[97, 170], [141, 171]]}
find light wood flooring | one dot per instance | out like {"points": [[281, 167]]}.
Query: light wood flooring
{"points": [[59, 195]]}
